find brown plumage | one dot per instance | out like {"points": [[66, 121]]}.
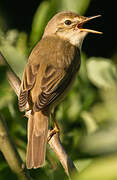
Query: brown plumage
{"points": [[48, 76]]}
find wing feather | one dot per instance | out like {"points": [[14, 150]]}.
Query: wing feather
{"points": [[53, 87], [29, 77]]}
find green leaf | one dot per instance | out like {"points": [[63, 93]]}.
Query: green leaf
{"points": [[104, 168], [79, 6], [102, 141], [39, 21], [102, 72], [21, 45], [15, 59]]}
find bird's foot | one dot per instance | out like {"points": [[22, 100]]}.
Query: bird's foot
{"points": [[52, 132]]}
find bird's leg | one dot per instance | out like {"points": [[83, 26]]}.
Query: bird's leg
{"points": [[55, 129]]}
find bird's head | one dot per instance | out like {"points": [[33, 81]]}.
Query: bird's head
{"points": [[69, 26]]}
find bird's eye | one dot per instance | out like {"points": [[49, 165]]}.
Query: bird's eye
{"points": [[68, 22]]}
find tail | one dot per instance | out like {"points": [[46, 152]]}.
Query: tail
{"points": [[37, 139]]}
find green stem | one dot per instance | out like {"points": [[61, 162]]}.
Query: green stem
{"points": [[10, 153]]}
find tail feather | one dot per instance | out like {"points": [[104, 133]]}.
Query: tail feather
{"points": [[29, 160], [37, 139]]}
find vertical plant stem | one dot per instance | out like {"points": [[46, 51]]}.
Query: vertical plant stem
{"points": [[10, 153]]}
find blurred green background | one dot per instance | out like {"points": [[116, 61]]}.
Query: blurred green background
{"points": [[88, 116]]}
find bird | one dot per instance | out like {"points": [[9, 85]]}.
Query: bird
{"points": [[51, 70]]}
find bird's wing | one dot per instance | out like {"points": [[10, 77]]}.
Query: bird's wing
{"points": [[29, 77], [58, 69], [53, 84]]}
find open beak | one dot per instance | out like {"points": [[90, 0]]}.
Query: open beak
{"points": [[85, 21]]}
